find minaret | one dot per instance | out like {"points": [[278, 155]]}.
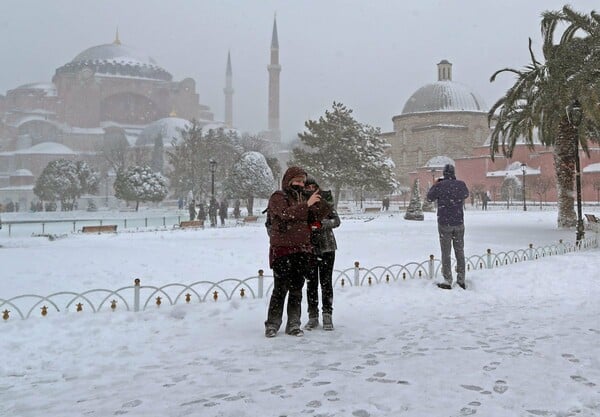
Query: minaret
{"points": [[117, 41], [274, 69], [228, 90]]}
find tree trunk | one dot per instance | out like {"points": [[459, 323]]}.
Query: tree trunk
{"points": [[565, 148], [250, 205], [137, 205], [336, 195]]}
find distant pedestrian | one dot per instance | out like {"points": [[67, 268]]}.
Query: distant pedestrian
{"points": [[223, 208], [484, 200], [450, 195], [201, 212], [385, 203], [192, 209], [213, 207], [236, 209], [180, 203]]}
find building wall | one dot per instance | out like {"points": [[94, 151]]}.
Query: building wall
{"points": [[418, 137]]}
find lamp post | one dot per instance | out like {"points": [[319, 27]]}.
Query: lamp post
{"points": [[575, 115], [213, 167], [524, 170]]}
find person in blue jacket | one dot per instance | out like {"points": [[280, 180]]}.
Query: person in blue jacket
{"points": [[450, 195]]}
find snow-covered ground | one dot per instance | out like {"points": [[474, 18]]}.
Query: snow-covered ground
{"points": [[523, 340]]}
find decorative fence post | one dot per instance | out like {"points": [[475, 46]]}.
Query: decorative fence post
{"points": [[489, 259], [136, 295], [356, 274], [431, 267], [530, 252], [261, 281]]}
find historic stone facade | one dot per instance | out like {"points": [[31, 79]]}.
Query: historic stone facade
{"points": [[441, 118]]}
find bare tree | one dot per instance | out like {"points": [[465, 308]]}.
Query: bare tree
{"points": [[540, 186]]}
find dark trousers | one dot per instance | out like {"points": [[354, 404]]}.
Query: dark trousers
{"points": [[321, 274], [289, 273]]}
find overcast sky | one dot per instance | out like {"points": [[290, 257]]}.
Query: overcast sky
{"points": [[370, 55]]}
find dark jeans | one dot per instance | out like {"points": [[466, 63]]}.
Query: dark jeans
{"points": [[289, 273], [321, 274], [453, 236]]}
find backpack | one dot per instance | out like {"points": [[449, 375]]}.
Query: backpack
{"points": [[269, 221]]}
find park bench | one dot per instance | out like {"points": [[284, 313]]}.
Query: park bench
{"points": [[191, 224], [250, 219], [593, 222], [372, 209], [105, 228]]}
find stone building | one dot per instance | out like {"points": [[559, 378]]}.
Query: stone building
{"points": [[110, 93], [441, 118]]}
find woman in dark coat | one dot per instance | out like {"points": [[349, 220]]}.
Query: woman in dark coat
{"points": [[291, 250]]}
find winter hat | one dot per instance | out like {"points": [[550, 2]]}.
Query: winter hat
{"points": [[290, 174], [311, 181], [449, 172]]}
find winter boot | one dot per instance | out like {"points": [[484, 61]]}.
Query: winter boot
{"points": [[313, 323], [270, 332], [444, 286], [327, 322], [462, 285], [295, 331]]}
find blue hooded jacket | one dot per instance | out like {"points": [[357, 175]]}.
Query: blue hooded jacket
{"points": [[450, 195]]}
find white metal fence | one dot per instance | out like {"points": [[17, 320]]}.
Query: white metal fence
{"points": [[138, 297]]}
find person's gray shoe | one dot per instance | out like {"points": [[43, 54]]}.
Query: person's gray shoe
{"points": [[327, 322], [312, 323]]}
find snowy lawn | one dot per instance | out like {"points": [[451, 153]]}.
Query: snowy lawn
{"points": [[523, 340]]}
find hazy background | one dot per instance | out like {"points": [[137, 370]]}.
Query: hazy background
{"points": [[370, 55]]}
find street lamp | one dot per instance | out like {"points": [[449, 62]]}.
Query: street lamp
{"points": [[575, 115], [213, 167], [524, 170]]}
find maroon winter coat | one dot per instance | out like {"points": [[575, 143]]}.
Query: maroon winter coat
{"points": [[289, 212]]}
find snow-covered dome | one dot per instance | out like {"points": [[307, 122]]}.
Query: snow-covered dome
{"points": [[47, 148], [48, 88], [115, 59], [439, 162], [444, 95], [167, 128]]}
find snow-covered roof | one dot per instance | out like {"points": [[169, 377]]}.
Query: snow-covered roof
{"points": [[439, 162], [21, 173], [592, 168], [47, 87], [115, 52], [514, 170], [443, 96], [520, 139], [47, 148], [168, 128], [33, 117]]}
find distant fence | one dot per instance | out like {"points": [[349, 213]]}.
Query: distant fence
{"points": [[139, 297]]}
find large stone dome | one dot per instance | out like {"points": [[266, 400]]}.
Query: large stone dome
{"points": [[114, 52], [444, 95], [115, 59]]}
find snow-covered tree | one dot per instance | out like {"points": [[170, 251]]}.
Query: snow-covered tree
{"points": [[341, 152], [65, 181], [139, 184], [189, 158], [414, 210], [251, 177]]}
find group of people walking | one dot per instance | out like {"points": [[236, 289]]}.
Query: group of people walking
{"points": [[300, 223], [198, 211], [300, 219]]}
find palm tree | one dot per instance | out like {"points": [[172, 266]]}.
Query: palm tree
{"points": [[537, 101]]}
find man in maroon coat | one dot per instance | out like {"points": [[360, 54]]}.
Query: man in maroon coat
{"points": [[291, 252]]}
